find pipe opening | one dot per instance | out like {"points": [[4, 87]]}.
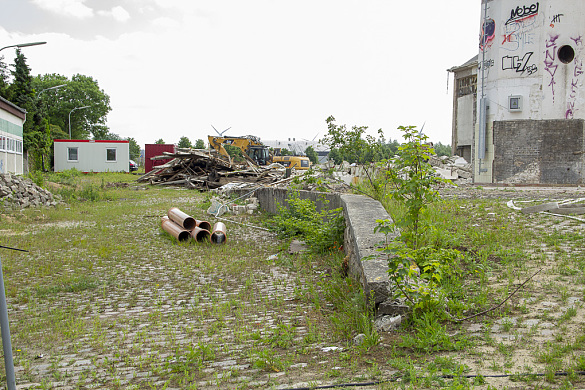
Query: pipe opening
{"points": [[566, 54], [203, 225], [200, 235]]}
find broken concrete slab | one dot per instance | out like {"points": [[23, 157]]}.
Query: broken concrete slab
{"points": [[540, 207], [568, 211], [297, 246]]}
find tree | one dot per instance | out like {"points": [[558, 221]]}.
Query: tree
{"points": [[134, 148], [78, 92], [312, 155], [352, 147], [442, 150], [160, 141], [335, 155], [184, 143], [200, 144], [4, 78]]}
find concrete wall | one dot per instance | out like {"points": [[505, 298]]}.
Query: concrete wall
{"points": [[535, 152], [533, 50], [360, 241]]}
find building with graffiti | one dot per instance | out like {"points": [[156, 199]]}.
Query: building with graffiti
{"points": [[519, 105]]}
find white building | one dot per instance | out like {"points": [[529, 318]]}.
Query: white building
{"points": [[12, 120], [519, 106], [92, 156]]}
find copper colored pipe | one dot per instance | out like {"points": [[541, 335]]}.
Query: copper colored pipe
{"points": [[218, 235], [203, 225], [173, 229], [200, 234], [181, 219]]}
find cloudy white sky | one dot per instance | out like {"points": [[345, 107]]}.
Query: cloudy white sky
{"points": [[271, 68]]}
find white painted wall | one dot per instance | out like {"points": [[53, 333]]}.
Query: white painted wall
{"points": [[92, 156], [521, 55], [10, 143]]}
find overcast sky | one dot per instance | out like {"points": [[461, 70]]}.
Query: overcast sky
{"points": [[275, 69]]}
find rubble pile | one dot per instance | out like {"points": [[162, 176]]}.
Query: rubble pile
{"points": [[203, 170], [453, 168], [18, 192]]}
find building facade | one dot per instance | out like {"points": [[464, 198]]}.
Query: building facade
{"points": [[12, 120], [529, 110], [92, 156]]}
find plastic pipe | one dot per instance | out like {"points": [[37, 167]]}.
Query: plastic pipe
{"points": [[203, 225], [6, 343], [218, 235], [173, 229], [180, 218], [200, 234]]}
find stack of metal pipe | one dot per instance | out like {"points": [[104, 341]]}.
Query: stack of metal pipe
{"points": [[184, 227]]}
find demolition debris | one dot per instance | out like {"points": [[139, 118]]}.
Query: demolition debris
{"points": [[205, 170]]}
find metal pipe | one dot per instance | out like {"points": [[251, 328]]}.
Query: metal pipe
{"points": [[203, 225], [218, 235], [6, 343], [180, 218], [173, 229], [200, 234]]}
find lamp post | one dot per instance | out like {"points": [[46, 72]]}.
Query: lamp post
{"points": [[24, 45], [46, 89], [76, 108], [4, 325]]}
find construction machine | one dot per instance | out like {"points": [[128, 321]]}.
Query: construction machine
{"points": [[251, 147], [255, 151]]}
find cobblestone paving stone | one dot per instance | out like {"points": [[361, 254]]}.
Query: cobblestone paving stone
{"points": [[138, 311]]}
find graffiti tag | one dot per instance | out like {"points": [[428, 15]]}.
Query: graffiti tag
{"points": [[557, 18], [549, 61], [570, 113], [520, 65], [486, 64], [488, 32], [521, 13], [519, 34]]}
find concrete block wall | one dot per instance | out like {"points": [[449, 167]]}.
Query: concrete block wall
{"points": [[360, 241], [539, 152]]}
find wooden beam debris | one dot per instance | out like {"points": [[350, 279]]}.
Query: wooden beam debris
{"points": [[200, 169]]}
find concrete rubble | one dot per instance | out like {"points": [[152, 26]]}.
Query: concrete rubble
{"points": [[453, 168], [567, 207], [18, 192]]}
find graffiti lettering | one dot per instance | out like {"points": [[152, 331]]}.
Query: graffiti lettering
{"points": [[519, 64], [518, 35], [521, 13], [549, 61], [487, 64], [570, 113], [488, 32], [557, 18]]}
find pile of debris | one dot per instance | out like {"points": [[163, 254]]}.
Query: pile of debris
{"points": [[453, 168], [196, 168], [18, 192]]}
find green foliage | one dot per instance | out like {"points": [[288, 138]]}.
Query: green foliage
{"points": [[199, 144], [322, 231], [354, 146], [430, 336], [413, 179], [234, 152], [134, 148], [159, 141], [184, 143], [312, 155], [442, 150]]}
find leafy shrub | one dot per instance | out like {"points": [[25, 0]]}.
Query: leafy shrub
{"points": [[322, 231]]}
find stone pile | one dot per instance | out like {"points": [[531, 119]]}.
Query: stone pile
{"points": [[18, 192], [453, 168]]}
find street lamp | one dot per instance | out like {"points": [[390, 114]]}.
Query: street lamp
{"points": [[46, 89], [76, 108], [24, 45], [4, 325]]}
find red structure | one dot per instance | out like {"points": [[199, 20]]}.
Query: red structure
{"points": [[153, 150]]}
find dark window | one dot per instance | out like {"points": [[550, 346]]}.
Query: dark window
{"points": [[72, 154], [304, 164], [110, 154]]}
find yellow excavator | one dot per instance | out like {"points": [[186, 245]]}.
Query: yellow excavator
{"points": [[255, 151], [252, 149]]}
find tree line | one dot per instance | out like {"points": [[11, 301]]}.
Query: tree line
{"points": [[57, 107]]}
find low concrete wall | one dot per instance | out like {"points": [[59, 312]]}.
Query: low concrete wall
{"points": [[360, 241]]}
